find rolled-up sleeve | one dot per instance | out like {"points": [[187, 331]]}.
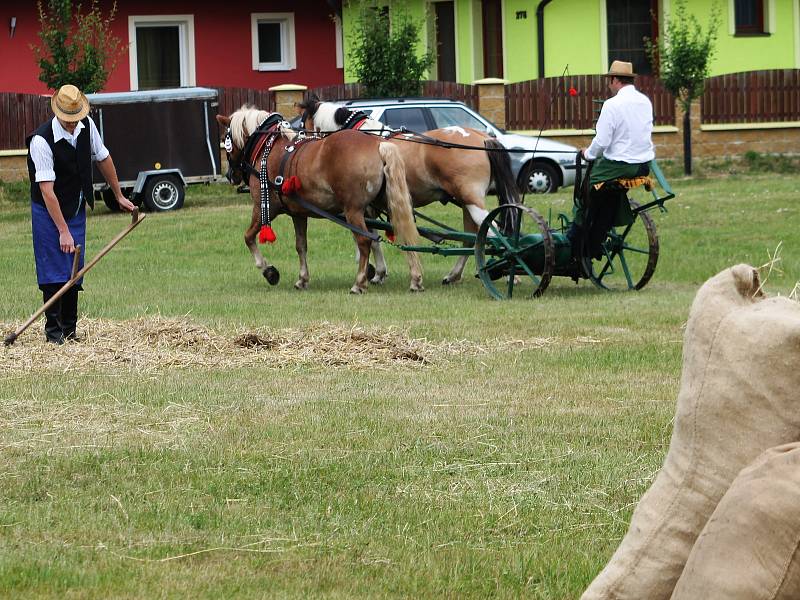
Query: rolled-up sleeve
{"points": [[99, 150], [42, 158]]}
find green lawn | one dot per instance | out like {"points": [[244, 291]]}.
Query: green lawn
{"points": [[508, 469]]}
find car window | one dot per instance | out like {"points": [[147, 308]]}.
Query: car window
{"points": [[447, 116], [412, 118]]}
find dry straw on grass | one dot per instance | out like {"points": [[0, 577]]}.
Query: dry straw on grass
{"points": [[152, 344]]}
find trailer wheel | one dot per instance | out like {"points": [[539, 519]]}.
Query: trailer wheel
{"points": [[164, 192], [110, 200]]}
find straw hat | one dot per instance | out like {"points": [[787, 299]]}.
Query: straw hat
{"points": [[621, 69], [69, 104]]}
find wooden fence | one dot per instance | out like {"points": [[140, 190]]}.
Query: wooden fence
{"points": [[20, 114], [466, 93], [752, 97], [232, 99], [548, 104]]}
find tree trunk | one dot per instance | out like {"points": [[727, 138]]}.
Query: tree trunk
{"points": [[687, 140]]}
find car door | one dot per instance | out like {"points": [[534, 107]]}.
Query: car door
{"points": [[413, 118]]}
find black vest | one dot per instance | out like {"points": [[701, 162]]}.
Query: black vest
{"points": [[73, 167]]}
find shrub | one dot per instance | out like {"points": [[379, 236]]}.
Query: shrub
{"points": [[76, 47], [385, 54]]}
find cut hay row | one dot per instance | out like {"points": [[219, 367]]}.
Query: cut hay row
{"points": [[153, 344]]}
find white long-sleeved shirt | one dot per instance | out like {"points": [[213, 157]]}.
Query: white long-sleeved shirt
{"points": [[624, 129], [42, 156]]}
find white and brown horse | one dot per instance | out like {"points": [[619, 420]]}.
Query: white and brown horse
{"points": [[436, 169], [340, 174]]}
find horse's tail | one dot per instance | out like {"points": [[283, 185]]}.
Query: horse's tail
{"points": [[397, 195], [500, 165]]}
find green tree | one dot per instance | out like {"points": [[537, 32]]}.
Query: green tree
{"points": [[681, 58], [76, 47], [385, 54]]}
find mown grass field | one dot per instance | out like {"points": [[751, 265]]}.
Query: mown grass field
{"points": [[503, 473]]}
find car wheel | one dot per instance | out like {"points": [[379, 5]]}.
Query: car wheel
{"points": [[164, 192], [539, 178]]}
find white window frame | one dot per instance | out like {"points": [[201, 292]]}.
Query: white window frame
{"points": [[770, 21], [185, 24], [337, 20], [286, 21]]}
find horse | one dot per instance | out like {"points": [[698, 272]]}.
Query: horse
{"points": [[372, 172], [435, 170]]}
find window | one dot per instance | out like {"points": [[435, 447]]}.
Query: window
{"points": [[273, 41], [455, 116], [445, 31], [410, 118], [629, 22], [492, 13], [162, 51], [749, 17]]}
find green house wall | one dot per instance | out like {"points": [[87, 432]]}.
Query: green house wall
{"points": [[575, 36]]}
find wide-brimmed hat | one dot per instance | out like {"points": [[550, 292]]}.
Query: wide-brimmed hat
{"points": [[621, 69], [69, 103]]}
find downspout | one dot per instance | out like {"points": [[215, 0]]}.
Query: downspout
{"points": [[336, 5], [540, 33]]}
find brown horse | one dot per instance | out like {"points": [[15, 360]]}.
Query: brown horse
{"points": [[434, 172], [341, 174]]}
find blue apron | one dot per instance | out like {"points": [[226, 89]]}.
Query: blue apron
{"points": [[53, 265]]}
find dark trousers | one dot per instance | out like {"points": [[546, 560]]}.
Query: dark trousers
{"points": [[61, 319]]}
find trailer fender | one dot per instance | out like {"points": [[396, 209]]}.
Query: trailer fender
{"points": [[143, 176]]}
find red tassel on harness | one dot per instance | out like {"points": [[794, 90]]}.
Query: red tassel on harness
{"points": [[266, 234], [291, 185], [573, 92], [390, 236]]}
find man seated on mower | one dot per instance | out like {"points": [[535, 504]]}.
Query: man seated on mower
{"points": [[622, 149]]}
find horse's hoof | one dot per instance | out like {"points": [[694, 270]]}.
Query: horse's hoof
{"points": [[448, 281], [356, 291], [378, 278], [272, 275], [370, 271], [300, 285], [417, 289]]}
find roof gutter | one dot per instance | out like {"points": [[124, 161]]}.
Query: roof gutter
{"points": [[540, 33]]}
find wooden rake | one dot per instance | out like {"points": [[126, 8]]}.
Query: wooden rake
{"points": [[136, 218]]}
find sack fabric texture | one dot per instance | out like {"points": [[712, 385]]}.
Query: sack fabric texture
{"points": [[748, 548], [737, 399]]}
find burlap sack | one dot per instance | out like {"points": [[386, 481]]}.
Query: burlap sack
{"points": [[747, 550], [741, 373]]}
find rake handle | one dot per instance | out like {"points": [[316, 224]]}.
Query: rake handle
{"points": [[136, 218]]}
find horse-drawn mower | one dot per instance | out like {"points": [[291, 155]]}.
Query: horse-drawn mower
{"points": [[517, 249]]}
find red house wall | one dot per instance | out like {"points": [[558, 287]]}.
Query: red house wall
{"points": [[222, 38]]}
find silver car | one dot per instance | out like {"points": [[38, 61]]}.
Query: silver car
{"points": [[545, 170]]}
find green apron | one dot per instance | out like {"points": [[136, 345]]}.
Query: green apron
{"points": [[607, 170]]}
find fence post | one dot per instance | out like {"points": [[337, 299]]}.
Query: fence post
{"points": [[492, 100], [286, 96]]}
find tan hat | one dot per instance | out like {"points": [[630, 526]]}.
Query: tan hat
{"points": [[621, 69], [69, 104]]}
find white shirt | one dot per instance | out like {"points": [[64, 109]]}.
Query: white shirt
{"points": [[42, 155], [625, 128]]}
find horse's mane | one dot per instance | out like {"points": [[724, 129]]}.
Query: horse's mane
{"points": [[325, 117], [244, 122], [330, 117]]}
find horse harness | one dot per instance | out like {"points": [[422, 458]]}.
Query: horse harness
{"points": [[262, 140]]}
